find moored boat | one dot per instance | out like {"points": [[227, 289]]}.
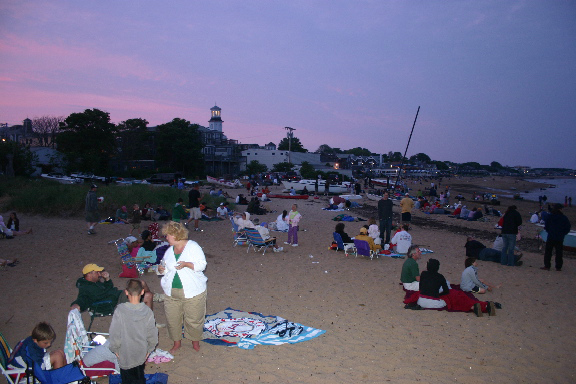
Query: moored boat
{"points": [[569, 240], [302, 197], [230, 184], [309, 184], [61, 178]]}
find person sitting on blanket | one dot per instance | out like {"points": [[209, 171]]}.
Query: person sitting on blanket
{"points": [[336, 202], [436, 294], [96, 286], [470, 281], [33, 350], [282, 222], [222, 211], [364, 236], [340, 230], [410, 276], [374, 231], [402, 240], [146, 251], [122, 215], [243, 220], [265, 234]]}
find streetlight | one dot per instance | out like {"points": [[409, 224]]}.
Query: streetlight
{"points": [[290, 134]]}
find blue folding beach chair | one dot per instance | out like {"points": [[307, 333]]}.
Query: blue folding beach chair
{"points": [[239, 236], [256, 241], [342, 246]]}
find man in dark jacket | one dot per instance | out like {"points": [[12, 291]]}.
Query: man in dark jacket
{"points": [[96, 286], [557, 225], [510, 223], [385, 216]]}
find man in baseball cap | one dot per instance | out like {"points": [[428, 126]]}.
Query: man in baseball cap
{"points": [[95, 286]]}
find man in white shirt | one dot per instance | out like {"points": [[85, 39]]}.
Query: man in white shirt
{"points": [[402, 240]]}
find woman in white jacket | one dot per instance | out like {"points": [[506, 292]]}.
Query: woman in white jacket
{"points": [[184, 284]]}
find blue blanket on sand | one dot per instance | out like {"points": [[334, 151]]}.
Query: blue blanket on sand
{"points": [[276, 331]]}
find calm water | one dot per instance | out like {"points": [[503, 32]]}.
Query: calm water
{"points": [[564, 187]]}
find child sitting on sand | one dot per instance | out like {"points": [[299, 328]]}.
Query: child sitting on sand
{"points": [[470, 281]]}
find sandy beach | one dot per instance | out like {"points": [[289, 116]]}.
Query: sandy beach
{"points": [[370, 337]]}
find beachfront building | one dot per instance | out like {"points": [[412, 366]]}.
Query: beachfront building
{"points": [[22, 134], [269, 156], [221, 155]]}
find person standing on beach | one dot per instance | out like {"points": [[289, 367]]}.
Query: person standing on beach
{"points": [[407, 204], [385, 217], [194, 198], [293, 221], [558, 226], [92, 214], [510, 224]]}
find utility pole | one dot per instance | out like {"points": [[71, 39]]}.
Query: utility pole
{"points": [[290, 135]]}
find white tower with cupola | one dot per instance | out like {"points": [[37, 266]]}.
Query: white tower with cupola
{"points": [[216, 120]]}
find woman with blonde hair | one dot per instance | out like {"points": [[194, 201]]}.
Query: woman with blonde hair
{"points": [[184, 284]]}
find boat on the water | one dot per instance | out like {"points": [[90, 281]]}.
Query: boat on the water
{"points": [[230, 184], [309, 184], [569, 240]]}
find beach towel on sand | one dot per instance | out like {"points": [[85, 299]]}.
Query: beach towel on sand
{"points": [[245, 330]]}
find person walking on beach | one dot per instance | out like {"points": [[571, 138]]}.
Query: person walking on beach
{"points": [[557, 225], [510, 224], [385, 217], [92, 214]]}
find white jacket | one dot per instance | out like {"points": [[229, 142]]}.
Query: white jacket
{"points": [[193, 280]]}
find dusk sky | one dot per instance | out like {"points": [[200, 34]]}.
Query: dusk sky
{"points": [[495, 80]]}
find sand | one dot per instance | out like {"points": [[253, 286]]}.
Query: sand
{"points": [[370, 337]]}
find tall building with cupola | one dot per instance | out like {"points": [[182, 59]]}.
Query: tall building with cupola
{"points": [[221, 155]]}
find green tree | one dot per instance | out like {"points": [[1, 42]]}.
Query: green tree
{"points": [[325, 149], [473, 165], [307, 171], [179, 147], [395, 156], [133, 140], [21, 159], [296, 145], [358, 151], [88, 141], [282, 167], [442, 166], [255, 167], [496, 165], [421, 158]]}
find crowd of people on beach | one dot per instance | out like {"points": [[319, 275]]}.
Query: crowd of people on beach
{"points": [[134, 331]]}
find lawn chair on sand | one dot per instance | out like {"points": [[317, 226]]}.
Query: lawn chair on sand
{"points": [[128, 260], [239, 237], [79, 342], [13, 375], [348, 248], [100, 309], [255, 240], [363, 249]]}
